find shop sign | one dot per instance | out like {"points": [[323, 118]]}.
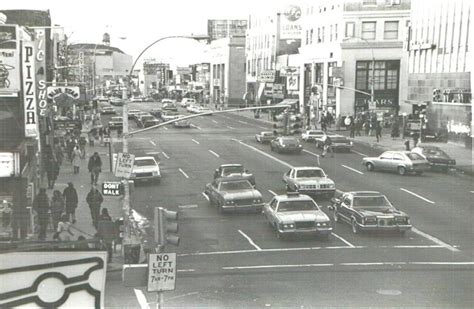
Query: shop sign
{"points": [[9, 62], [292, 82], [29, 90], [289, 71], [9, 164], [452, 95], [40, 43], [268, 90], [290, 23], [267, 76], [278, 91], [336, 72], [73, 92]]}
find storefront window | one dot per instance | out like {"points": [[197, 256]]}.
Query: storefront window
{"points": [[368, 30]]}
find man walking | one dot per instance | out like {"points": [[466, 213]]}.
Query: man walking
{"points": [[41, 206], [95, 167], [378, 131], [70, 197], [52, 171], [327, 147], [94, 199]]}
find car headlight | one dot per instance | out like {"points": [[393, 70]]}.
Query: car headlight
{"points": [[331, 185], [283, 145], [258, 200], [229, 202], [350, 143], [155, 173], [370, 220], [322, 224], [288, 225], [300, 146]]}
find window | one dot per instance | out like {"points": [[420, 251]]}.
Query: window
{"points": [[390, 30], [369, 2], [350, 29], [319, 35], [368, 30], [322, 34], [307, 37], [330, 33], [335, 32], [311, 37]]}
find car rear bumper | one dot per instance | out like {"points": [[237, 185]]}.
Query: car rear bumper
{"points": [[318, 231], [317, 191], [236, 208], [391, 228]]}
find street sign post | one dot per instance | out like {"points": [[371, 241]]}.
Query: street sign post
{"points": [[124, 165], [161, 272]]}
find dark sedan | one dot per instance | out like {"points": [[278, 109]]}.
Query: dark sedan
{"points": [[286, 144], [116, 123], [438, 159]]}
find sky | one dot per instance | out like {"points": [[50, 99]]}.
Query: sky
{"points": [[143, 21]]}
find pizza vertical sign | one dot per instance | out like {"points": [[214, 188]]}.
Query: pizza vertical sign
{"points": [[29, 90]]}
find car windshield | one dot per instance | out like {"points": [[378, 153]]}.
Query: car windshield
{"points": [[371, 202], [146, 117], [309, 173], [291, 141], [235, 186], [297, 206], [144, 162], [232, 170], [414, 156]]}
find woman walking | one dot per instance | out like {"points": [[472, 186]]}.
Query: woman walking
{"points": [[57, 208], [76, 159]]}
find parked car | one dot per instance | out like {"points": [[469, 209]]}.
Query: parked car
{"points": [[131, 113], [369, 211], [191, 108], [136, 116], [203, 110], [108, 110], [145, 169], [264, 137], [169, 107], [309, 180], [150, 122], [397, 161], [115, 123], [234, 194], [143, 119], [297, 214], [438, 159], [312, 135], [136, 99], [139, 116], [156, 112], [116, 102], [286, 144], [338, 142], [184, 123], [185, 102], [234, 170]]}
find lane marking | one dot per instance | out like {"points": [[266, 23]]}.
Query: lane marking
{"points": [[214, 121], [195, 141], [229, 127], [271, 250], [195, 126], [417, 195], [165, 155], [153, 153], [188, 206], [153, 143], [276, 266], [250, 240], [182, 172], [263, 128], [352, 169], [186, 270], [263, 153], [472, 191], [359, 153], [205, 196], [215, 154], [243, 122], [343, 240], [313, 154], [165, 128], [272, 192], [434, 239], [442, 263], [373, 263], [141, 299]]}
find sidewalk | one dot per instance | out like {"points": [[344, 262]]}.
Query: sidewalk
{"points": [[463, 156], [82, 184]]}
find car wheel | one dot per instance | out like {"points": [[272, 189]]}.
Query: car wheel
{"points": [[370, 167], [355, 228], [401, 170], [335, 216], [288, 189]]}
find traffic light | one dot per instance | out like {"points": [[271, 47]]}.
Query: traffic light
{"points": [[166, 227], [281, 126], [295, 124]]}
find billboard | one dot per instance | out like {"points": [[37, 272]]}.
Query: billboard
{"points": [[290, 23], [9, 61]]}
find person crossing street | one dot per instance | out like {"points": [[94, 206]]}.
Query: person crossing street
{"points": [[327, 147]]}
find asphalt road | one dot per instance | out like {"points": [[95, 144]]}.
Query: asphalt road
{"points": [[236, 260]]}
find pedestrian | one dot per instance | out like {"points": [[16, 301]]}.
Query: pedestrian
{"points": [[323, 125], [94, 199], [358, 126], [82, 146], [105, 233], [57, 208], [415, 137], [76, 159], [58, 152], [366, 126], [52, 171], [352, 128], [327, 147], [95, 167], [378, 131], [42, 208], [70, 147], [101, 136], [395, 129], [71, 200], [64, 229]]}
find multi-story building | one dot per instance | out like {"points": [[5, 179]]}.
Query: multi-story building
{"points": [[100, 66], [440, 65], [225, 28], [357, 45], [155, 76], [270, 34], [227, 62]]}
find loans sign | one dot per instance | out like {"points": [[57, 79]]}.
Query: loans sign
{"points": [[161, 272]]}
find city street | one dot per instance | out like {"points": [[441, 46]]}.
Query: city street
{"points": [[244, 264]]}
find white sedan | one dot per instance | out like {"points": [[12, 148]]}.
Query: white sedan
{"points": [[145, 169]]}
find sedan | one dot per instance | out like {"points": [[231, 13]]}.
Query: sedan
{"points": [[115, 123], [184, 123], [169, 115], [116, 102], [401, 162], [151, 122], [369, 211], [108, 110], [234, 194], [264, 137], [141, 121], [436, 157], [132, 112], [286, 144], [338, 142], [312, 135], [145, 169], [297, 214]]}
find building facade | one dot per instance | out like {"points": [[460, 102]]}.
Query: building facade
{"points": [[357, 45], [155, 76], [440, 66], [227, 76], [225, 28]]}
